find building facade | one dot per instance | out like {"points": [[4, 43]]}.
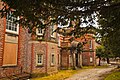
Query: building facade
{"points": [[19, 53], [71, 56]]}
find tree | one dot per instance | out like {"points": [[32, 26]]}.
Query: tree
{"points": [[100, 53], [40, 13], [110, 27]]}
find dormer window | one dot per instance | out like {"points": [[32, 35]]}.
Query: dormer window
{"points": [[39, 31], [52, 30], [12, 26]]}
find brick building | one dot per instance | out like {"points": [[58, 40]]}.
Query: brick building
{"points": [[76, 58], [19, 53], [45, 52]]}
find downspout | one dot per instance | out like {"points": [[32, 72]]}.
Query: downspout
{"points": [[46, 57], [3, 40], [32, 56], [46, 50], [18, 59]]}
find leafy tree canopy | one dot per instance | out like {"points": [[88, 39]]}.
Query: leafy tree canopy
{"points": [[40, 13]]}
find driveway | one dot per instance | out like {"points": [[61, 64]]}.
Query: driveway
{"points": [[91, 74]]}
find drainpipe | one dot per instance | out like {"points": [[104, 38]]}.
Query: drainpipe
{"points": [[32, 55], [3, 44], [46, 57], [46, 39]]}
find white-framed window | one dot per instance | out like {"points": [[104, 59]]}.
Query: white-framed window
{"points": [[90, 44], [52, 59], [70, 59], [91, 59], [52, 30], [11, 25], [39, 31], [39, 59]]}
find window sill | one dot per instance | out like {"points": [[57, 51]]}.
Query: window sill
{"points": [[12, 32], [39, 65], [10, 65], [52, 65]]}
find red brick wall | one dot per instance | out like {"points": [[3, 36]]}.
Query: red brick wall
{"points": [[23, 57], [46, 48], [24, 50], [2, 37]]}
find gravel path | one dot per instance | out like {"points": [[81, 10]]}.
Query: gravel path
{"points": [[91, 74]]}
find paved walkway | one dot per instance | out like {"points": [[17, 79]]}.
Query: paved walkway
{"points": [[91, 74]]}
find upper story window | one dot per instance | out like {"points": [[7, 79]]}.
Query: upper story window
{"points": [[52, 30], [39, 31], [90, 46], [12, 26]]}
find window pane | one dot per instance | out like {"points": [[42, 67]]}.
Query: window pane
{"points": [[39, 58], [11, 25], [52, 59]]}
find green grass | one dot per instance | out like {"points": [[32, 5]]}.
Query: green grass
{"points": [[90, 67], [63, 74], [113, 76]]}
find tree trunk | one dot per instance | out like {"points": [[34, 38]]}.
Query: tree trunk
{"points": [[73, 59], [108, 61], [80, 60], [99, 62]]}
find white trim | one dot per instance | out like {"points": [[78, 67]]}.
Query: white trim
{"points": [[52, 59], [90, 47], [52, 29], [39, 34], [91, 59], [11, 31], [37, 59]]}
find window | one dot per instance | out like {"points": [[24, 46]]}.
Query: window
{"points": [[91, 59], [70, 59], [39, 31], [90, 44], [39, 59], [52, 59], [52, 30], [12, 26]]}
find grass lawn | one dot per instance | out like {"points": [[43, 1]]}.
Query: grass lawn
{"points": [[113, 76], [63, 74]]}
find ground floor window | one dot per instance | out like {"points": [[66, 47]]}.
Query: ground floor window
{"points": [[52, 59], [39, 59], [91, 59], [70, 59]]}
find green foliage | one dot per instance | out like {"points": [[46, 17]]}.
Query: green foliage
{"points": [[113, 76], [100, 51], [109, 28], [41, 13]]}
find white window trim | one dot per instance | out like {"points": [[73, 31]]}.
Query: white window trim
{"points": [[90, 47], [91, 59], [37, 32], [52, 34], [70, 59], [52, 63], [14, 32], [37, 60]]}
